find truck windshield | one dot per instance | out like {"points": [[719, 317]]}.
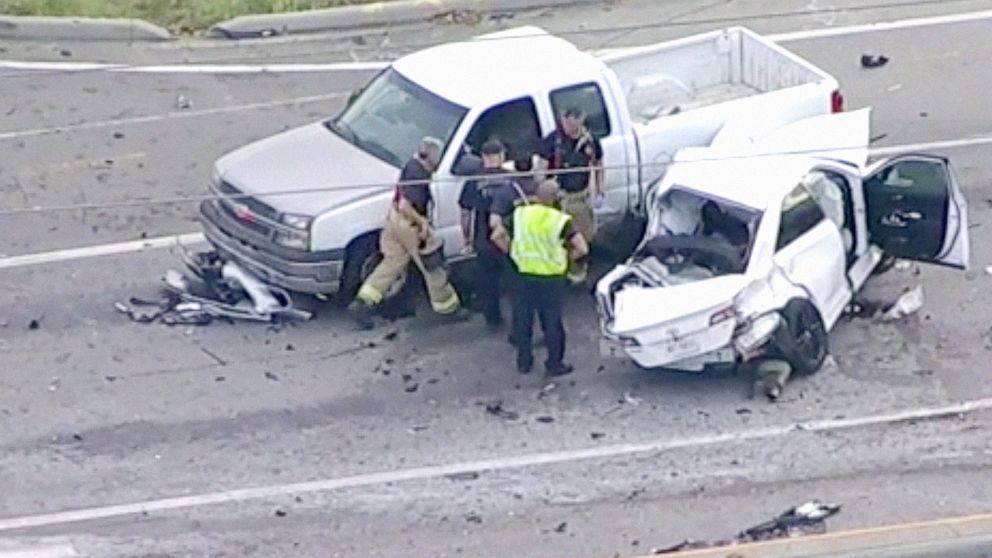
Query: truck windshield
{"points": [[389, 118]]}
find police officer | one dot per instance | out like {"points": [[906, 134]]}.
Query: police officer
{"points": [[407, 236], [572, 146], [485, 202], [541, 241]]}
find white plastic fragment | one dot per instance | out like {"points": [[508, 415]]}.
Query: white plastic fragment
{"points": [[909, 303]]}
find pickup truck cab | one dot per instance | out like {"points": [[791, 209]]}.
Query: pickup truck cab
{"points": [[303, 209], [760, 248]]}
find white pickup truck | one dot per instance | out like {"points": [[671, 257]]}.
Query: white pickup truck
{"points": [[755, 249], [302, 209]]}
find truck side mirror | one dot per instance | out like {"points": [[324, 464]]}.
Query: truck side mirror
{"points": [[354, 95]]}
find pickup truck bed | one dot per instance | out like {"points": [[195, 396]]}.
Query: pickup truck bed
{"points": [[704, 70]]}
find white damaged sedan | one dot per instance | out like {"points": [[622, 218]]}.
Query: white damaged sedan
{"points": [[757, 250]]}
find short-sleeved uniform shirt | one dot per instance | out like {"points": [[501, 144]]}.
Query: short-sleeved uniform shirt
{"points": [[497, 195], [419, 195], [564, 152]]}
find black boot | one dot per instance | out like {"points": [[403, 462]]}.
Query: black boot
{"points": [[361, 313]]}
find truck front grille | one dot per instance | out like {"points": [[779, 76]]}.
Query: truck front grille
{"points": [[247, 211]]}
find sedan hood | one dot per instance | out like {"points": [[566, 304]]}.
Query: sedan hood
{"points": [[312, 160]]}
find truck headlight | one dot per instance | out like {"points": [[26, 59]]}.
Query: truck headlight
{"points": [[299, 235], [298, 222]]}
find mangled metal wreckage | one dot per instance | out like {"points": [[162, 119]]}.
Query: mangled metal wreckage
{"points": [[755, 246]]}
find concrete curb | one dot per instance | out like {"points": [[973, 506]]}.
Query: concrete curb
{"points": [[368, 15], [80, 29]]}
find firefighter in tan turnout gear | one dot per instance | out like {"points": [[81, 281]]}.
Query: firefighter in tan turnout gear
{"points": [[408, 236]]}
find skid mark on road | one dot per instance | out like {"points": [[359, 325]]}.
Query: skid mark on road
{"points": [[542, 459], [104, 163]]}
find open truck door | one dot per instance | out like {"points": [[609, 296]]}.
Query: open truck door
{"points": [[916, 210]]}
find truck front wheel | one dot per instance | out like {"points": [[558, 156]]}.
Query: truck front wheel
{"points": [[362, 257]]}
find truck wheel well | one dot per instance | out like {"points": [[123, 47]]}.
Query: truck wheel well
{"points": [[357, 254]]}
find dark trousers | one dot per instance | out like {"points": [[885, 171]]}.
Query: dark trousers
{"points": [[491, 272], [543, 296]]}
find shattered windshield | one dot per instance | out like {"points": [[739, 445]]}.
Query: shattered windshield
{"points": [[389, 118]]}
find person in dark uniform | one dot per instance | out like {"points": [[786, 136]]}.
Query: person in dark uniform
{"points": [[541, 241], [485, 202], [572, 146]]}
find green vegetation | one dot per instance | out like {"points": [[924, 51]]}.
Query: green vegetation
{"points": [[182, 16]]}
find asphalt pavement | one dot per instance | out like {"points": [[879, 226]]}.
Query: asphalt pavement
{"points": [[316, 440]]}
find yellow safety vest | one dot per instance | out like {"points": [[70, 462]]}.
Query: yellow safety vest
{"points": [[537, 246]]}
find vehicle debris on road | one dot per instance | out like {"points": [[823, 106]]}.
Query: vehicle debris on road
{"points": [[873, 60], [800, 520], [910, 302], [213, 289], [495, 408]]}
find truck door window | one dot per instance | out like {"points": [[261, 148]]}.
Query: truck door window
{"points": [[514, 123], [800, 213], [587, 97]]}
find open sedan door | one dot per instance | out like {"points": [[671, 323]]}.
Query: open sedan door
{"points": [[916, 210]]}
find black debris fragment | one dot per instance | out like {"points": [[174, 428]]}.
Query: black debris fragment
{"points": [[793, 522], [790, 522], [561, 527], [743, 411], [496, 409], [280, 513], [271, 376], [545, 419], [290, 347], [118, 135], [110, 378], [878, 138], [391, 336], [597, 435], [77, 437], [411, 388], [65, 53], [873, 61], [219, 378], [34, 324], [214, 356], [466, 476], [473, 518]]}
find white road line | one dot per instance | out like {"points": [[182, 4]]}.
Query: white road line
{"points": [[378, 65], [40, 258], [487, 465], [193, 68], [179, 114], [881, 26], [11, 262], [57, 551]]}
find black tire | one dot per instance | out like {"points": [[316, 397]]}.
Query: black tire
{"points": [[802, 339], [363, 255], [885, 264]]}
